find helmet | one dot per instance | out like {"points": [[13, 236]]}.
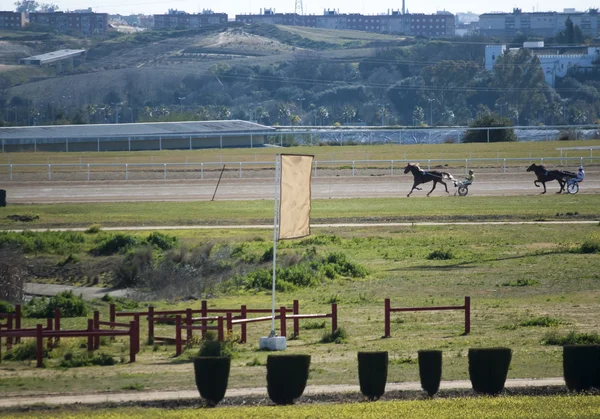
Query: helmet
{"points": [[580, 167], [470, 172]]}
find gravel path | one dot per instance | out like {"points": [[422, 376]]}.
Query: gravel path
{"points": [[257, 391]]}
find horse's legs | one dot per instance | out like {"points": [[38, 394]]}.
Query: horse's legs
{"points": [[412, 189], [536, 183], [562, 186], [544, 185], [434, 184], [445, 186]]}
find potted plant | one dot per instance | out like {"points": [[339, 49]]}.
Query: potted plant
{"points": [[488, 368], [430, 371], [372, 374], [286, 377], [211, 369]]}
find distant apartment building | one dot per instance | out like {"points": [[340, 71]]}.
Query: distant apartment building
{"points": [[180, 19], [439, 25], [11, 20], [556, 61], [79, 23], [542, 24]]}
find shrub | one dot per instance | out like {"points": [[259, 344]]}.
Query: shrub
{"points": [[544, 321], [6, 307], [69, 304], [115, 244], [286, 377], [581, 367], [83, 359], [212, 376], [26, 351], [572, 338], [69, 260], [495, 135], [339, 335], [430, 371], [591, 245], [488, 368], [372, 374], [93, 229], [53, 242], [211, 347], [162, 241], [440, 254], [343, 267], [314, 325]]}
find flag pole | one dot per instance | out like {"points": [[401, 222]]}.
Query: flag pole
{"points": [[275, 231]]}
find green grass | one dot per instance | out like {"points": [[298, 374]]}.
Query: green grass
{"points": [[529, 208], [339, 37], [414, 152], [558, 407]]}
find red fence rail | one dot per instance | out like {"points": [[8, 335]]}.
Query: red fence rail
{"points": [[389, 309]]}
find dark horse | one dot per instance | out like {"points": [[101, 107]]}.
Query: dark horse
{"points": [[544, 176], [426, 176]]}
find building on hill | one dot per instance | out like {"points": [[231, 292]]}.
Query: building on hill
{"points": [[11, 20], [542, 24], [179, 19], [556, 61], [439, 25], [81, 23]]}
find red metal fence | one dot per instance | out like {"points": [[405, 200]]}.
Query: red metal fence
{"points": [[389, 310]]}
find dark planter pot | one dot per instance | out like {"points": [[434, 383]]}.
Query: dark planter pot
{"points": [[488, 368], [581, 367], [2, 198], [286, 377], [430, 371], [212, 375], [372, 374]]}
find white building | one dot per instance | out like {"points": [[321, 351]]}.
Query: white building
{"points": [[554, 63]]}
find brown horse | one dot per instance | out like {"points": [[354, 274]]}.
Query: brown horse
{"points": [[421, 176], [544, 175]]}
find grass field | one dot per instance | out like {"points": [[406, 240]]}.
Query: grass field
{"points": [[339, 37], [464, 408], [528, 208], [520, 278], [420, 152]]}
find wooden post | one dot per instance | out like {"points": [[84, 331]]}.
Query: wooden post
{"points": [[188, 324], [90, 340], [244, 331], [334, 322], [9, 326], [221, 338], [203, 314], [57, 323], [132, 341], [178, 349], [96, 327], [387, 332], [137, 336], [40, 345], [296, 321], [282, 320], [113, 319], [49, 327], [150, 324], [17, 320], [467, 315], [229, 324]]}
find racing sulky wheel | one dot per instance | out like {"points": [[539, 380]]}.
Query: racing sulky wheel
{"points": [[463, 190], [573, 188]]}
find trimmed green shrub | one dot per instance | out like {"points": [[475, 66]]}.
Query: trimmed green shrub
{"points": [[212, 376], [69, 304], [488, 368], [286, 377], [581, 367], [114, 244], [430, 371], [6, 307], [440, 254], [162, 241], [339, 335], [372, 374]]}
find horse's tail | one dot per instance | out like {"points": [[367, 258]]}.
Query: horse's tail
{"points": [[447, 176]]}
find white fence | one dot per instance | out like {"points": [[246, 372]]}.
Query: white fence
{"points": [[210, 170]]}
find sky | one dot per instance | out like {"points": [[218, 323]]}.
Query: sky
{"points": [[233, 7]]}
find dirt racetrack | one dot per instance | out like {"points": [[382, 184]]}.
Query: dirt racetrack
{"points": [[263, 188]]}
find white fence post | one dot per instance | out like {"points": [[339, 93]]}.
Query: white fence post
{"points": [[315, 168], [352, 167], [49, 173], [428, 164], [392, 167], [504, 165], [126, 172], [11, 177], [165, 172], [466, 166], [201, 170], [240, 170], [88, 171]]}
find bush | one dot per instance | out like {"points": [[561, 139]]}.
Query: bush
{"points": [[26, 351], [488, 368], [440, 254], [69, 304], [93, 229], [53, 242], [6, 307], [212, 375], [572, 338], [337, 336], [115, 244], [314, 325], [430, 371], [581, 367], [343, 267], [496, 135], [162, 241], [211, 347], [71, 360], [540, 322], [286, 377], [591, 245], [372, 374]]}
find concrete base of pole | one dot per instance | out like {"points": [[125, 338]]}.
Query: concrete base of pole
{"points": [[273, 343]]}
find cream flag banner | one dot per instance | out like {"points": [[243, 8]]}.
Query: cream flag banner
{"points": [[294, 202]]}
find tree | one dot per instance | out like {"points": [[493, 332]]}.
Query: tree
{"points": [[418, 115], [322, 113], [571, 34], [26, 6], [495, 135], [348, 113]]}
